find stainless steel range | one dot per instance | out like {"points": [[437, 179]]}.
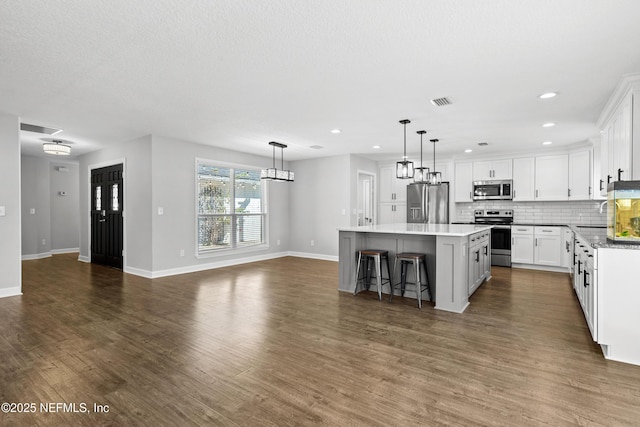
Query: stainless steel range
{"points": [[500, 233]]}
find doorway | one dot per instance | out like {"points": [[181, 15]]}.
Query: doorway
{"points": [[106, 216], [366, 198]]}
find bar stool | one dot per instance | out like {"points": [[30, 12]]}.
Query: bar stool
{"points": [[375, 255], [419, 262]]}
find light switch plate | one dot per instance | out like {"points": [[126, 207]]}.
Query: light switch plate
{"points": [[32, 211], [160, 211], [3, 212]]}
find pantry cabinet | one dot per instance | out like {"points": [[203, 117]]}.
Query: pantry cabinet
{"points": [[393, 196]]}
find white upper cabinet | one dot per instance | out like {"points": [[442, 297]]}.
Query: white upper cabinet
{"points": [[524, 179], [463, 182], [580, 175], [620, 145], [552, 177], [494, 169]]}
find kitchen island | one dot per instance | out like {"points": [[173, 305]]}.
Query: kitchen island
{"points": [[458, 256]]}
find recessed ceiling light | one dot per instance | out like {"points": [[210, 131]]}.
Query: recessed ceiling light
{"points": [[376, 147], [335, 131], [547, 95], [547, 143], [468, 150], [548, 125]]}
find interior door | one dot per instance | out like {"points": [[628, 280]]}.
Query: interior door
{"points": [[106, 216]]}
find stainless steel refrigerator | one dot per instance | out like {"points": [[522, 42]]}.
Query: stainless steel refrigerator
{"points": [[428, 203]]}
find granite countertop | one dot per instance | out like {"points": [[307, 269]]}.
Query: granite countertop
{"points": [[420, 229], [597, 238]]}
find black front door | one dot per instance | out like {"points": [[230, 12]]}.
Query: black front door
{"points": [[106, 216]]}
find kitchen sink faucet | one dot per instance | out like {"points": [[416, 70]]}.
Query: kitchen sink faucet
{"points": [[602, 205]]}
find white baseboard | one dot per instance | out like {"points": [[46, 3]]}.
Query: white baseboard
{"points": [[36, 256], [201, 267], [314, 256], [10, 292], [83, 258], [65, 251], [541, 267]]}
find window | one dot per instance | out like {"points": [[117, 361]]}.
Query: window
{"points": [[230, 212]]}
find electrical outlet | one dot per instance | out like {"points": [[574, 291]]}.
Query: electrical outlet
{"points": [[278, 242], [313, 243], [181, 252], [44, 242]]}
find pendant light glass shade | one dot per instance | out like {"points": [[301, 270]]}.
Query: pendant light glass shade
{"points": [[274, 174], [421, 173], [434, 178], [56, 148], [404, 168]]}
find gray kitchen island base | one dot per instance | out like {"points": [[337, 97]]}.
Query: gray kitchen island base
{"points": [[446, 247]]}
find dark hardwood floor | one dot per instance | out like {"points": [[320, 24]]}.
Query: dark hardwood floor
{"points": [[274, 343]]}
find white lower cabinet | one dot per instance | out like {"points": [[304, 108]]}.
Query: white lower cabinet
{"points": [[548, 246], [522, 244], [479, 259], [537, 245]]}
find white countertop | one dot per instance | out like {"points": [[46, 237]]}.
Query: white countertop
{"points": [[420, 229]]}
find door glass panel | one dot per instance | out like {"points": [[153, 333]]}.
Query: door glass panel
{"points": [[114, 198], [98, 198]]}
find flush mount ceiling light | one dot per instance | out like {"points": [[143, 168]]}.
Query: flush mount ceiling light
{"points": [[56, 147], [548, 125], [274, 174], [468, 150], [547, 143], [435, 178], [404, 168], [336, 131], [421, 173], [547, 95], [376, 147]]}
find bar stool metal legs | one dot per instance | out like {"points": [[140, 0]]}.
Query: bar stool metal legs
{"points": [[366, 256], [419, 262]]}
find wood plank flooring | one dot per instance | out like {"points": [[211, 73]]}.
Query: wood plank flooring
{"points": [[274, 343]]}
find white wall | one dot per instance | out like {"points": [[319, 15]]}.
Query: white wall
{"points": [[174, 189], [10, 242], [35, 192], [319, 195], [65, 210]]}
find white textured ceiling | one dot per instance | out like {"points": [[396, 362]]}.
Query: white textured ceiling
{"points": [[240, 73]]}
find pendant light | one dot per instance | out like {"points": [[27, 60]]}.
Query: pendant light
{"points": [[435, 178], [56, 148], [404, 169], [421, 173], [274, 174]]}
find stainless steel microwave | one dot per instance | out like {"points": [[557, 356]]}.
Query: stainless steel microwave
{"points": [[493, 190]]}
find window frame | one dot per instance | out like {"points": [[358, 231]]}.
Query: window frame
{"points": [[232, 249]]}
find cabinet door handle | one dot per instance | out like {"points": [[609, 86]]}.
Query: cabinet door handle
{"points": [[586, 282], [478, 256], [620, 174], [470, 196], [486, 250], [579, 265], [513, 241], [536, 193], [536, 242], [601, 185], [609, 179], [514, 194], [568, 192]]}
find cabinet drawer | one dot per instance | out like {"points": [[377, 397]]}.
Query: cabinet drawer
{"points": [[547, 231], [521, 229]]}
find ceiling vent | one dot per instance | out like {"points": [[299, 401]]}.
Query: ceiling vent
{"points": [[441, 102], [482, 144], [39, 129]]}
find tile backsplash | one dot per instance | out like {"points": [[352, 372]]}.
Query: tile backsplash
{"points": [[571, 213]]}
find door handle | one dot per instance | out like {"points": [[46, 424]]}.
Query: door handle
{"points": [[102, 220]]}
